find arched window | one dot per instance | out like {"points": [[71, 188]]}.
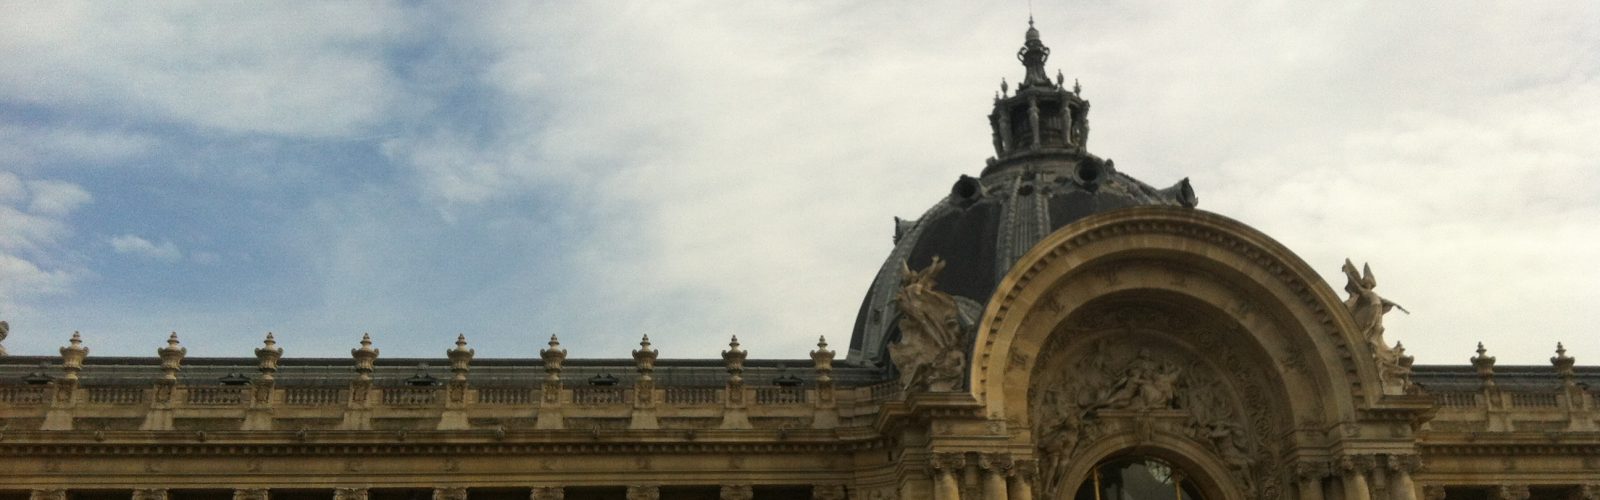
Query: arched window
{"points": [[1137, 478]]}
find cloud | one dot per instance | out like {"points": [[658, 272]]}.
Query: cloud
{"points": [[34, 227], [134, 245]]}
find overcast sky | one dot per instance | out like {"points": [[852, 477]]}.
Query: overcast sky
{"points": [[604, 170]]}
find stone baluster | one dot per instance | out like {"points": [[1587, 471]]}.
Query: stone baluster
{"points": [[452, 493], [828, 492], [250, 494], [644, 492], [996, 467], [349, 494], [548, 493], [945, 466], [149, 494], [1401, 486], [1020, 484], [1310, 476], [1355, 470], [49, 494], [737, 492]]}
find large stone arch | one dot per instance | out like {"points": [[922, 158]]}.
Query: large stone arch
{"points": [[1279, 337]]}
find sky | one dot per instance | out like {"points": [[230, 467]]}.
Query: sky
{"points": [[696, 170]]}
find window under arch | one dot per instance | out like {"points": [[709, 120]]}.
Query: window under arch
{"points": [[1137, 478]]}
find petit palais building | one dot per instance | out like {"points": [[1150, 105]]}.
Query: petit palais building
{"points": [[1052, 328]]}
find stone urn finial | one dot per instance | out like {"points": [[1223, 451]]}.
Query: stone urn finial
{"points": [[1563, 363], [1485, 365], [364, 357], [553, 358], [823, 358], [645, 359], [734, 358], [72, 356], [460, 358], [267, 357], [171, 358]]}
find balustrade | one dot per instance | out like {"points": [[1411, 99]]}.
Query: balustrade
{"points": [[313, 396], [507, 395], [692, 396], [411, 396], [24, 395], [215, 396], [1456, 399], [597, 395], [780, 396], [127, 395], [1534, 400]]}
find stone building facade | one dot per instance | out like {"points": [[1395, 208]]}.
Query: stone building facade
{"points": [[1052, 329]]}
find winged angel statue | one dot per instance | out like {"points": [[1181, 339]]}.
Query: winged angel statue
{"points": [[1368, 308], [934, 330]]}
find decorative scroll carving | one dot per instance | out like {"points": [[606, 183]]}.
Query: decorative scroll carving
{"points": [[935, 330], [1144, 385]]}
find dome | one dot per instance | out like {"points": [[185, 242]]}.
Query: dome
{"points": [[1041, 179]]}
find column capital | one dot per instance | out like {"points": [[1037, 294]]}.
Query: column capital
{"points": [[1403, 463], [644, 492], [737, 492], [349, 494], [948, 461], [456, 493], [548, 493], [250, 494], [1027, 469], [1512, 492], [150, 494], [51, 494], [827, 492], [1307, 470], [1357, 464], [1000, 463]]}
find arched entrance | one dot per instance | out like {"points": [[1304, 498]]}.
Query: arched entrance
{"points": [[1136, 477]]}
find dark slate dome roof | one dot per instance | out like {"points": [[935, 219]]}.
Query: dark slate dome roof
{"points": [[1041, 179]]}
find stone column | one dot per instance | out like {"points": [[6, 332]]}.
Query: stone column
{"points": [[945, 467], [737, 492], [827, 492], [250, 494], [548, 493], [644, 492], [450, 493], [1401, 487], [996, 466], [1355, 469], [150, 494], [1020, 485], [349, 494], [53, 494], [1310, 475]]}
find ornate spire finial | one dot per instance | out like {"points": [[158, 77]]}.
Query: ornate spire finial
{"points": [[171, 357], [267, 357], [1033, 55], [1563, 363], [460, 358], [1485, 365]]}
